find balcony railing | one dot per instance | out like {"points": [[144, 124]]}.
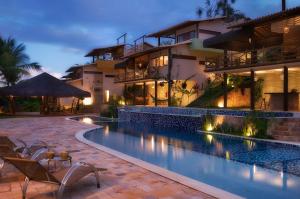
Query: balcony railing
{"points": [[140, 74], [264, 56]]}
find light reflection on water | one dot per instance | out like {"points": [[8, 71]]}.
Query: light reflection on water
{"points": [[207, 158]]}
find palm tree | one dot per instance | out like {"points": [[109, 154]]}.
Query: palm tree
{"points": [[214, 8], [14, 62]]}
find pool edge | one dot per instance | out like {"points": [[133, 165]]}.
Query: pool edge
{"points": [[194, 184]]}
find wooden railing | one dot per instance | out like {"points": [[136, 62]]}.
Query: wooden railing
{"points": [[149, 73], [264, 56]]}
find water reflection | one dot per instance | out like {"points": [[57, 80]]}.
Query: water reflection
{"points": [[210, 158], [87, 120]]}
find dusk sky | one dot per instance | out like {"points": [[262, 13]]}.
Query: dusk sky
{"points": [[58, 33]]}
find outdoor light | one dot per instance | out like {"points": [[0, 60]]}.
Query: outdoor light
{"points": [[209, 127], [221, 104], [87, 101], [286, 30], [107, 96]]}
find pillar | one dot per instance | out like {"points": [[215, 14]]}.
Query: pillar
{"points": [[170, 65], [144, 93], [252, 91], [225, 76], [155, 93], [285, 88]]}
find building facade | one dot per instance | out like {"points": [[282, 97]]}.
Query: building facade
{"points": [[172, 72], [265, 53], [96, 78]]}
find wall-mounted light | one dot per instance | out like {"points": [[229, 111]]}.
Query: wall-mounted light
{"points": [[107, 96], [87, 101], [286, 29]]}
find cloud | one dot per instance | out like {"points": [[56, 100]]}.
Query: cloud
{"points": [[34, 73], [76, 26]]}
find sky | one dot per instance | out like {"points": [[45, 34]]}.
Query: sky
{"points": [[58, 33]]}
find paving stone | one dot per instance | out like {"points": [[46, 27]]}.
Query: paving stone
{"points": [[122, 180]]}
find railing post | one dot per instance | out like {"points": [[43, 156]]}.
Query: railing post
{"points": [[225, 58]]}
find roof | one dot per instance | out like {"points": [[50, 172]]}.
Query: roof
{"points": [[73, 68], [232, 40], [181, 25], [107, 49], [151, 50], [44, 85], [265, 19]]}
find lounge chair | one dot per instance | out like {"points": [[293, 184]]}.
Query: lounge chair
{"points": [[34, 171], [6, 151], [25, 148]]}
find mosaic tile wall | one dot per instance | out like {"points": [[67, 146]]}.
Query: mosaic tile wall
{"points": [[163, 120], [200, 111], [184, 118]]}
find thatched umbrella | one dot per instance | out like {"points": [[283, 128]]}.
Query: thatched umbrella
{"points": [[44, 86]]}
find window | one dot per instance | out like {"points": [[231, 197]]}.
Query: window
{"points": [[159, 61], [186, 36]]}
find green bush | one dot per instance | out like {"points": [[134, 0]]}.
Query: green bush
{"points": [[112, 110], [253, 126], [28, 104]]}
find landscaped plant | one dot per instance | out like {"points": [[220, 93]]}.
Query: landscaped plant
{"points": [[209, 122], [113, 104], [255, 126]]}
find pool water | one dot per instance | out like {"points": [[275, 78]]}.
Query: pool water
{"points": [[251, 169]]}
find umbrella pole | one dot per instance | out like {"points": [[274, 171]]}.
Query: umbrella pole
{"points": [[11, 105], [42, 106]]}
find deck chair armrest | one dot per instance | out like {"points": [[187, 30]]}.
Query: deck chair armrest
{"points": [[89, 165], [22, 142], [74, 168]]}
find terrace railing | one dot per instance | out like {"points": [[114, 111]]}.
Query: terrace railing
{"points": [[259, 57], [140, 74]]}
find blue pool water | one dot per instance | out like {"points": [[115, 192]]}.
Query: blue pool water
{"points": [[251, 169]]}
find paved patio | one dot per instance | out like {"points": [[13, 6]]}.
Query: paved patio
{"points": [[121, 180]]}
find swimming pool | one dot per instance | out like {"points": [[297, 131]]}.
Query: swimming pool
{"points": [[251, 169]]}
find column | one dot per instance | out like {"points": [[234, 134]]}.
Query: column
{"points": [[155, 91], [225, 76], [144, 93], [252, 91], [170, 65], [285, 88]]}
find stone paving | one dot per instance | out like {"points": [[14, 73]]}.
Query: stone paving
{"points": [[121, 180]]}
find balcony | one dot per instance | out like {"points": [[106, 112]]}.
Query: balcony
{"points": [[139, 74], [261, 57]]}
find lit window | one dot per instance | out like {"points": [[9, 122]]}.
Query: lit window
{"points": [[161, 60], [166, 59]]}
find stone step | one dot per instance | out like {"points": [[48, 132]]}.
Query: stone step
{"points": [[287, 138], [281, 128], [276, 132]]}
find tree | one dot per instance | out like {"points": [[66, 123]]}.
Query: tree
{"points": [[14, 61], [215, 8]]}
